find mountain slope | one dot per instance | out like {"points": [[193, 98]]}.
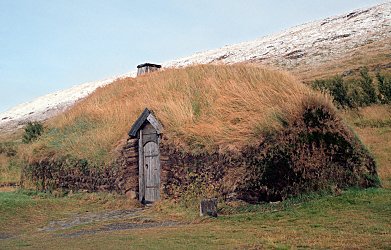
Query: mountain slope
{"points": [[335, 45], [347, 38], [307, 44]]}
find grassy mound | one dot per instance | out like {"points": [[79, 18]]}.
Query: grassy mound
{"points": [[202, 108], [291, 135]]}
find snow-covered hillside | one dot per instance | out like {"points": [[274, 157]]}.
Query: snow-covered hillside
{"points": [[49, 105], [308, 44]]}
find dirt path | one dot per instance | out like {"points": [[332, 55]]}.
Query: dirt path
{"points": [[4, 236], [88, 218], [120, 226], [134, 217]]}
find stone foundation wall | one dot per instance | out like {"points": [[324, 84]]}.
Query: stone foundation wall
{"points": [[127, 177]]}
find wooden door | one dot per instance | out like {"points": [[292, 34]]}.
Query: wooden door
{"points": [[151, 164], [151, 172]]}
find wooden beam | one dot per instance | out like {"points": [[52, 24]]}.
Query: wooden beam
{"points": [[155, 123], [141, 187]]}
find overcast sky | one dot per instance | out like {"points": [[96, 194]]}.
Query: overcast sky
{"points": [[54, 44]]}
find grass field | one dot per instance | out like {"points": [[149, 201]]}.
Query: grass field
{"points": [[354, 219]]}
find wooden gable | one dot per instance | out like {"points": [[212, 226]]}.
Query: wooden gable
{"points": [[146, 116]]}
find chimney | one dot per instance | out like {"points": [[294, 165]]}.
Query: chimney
{"points": [[145, 68]]}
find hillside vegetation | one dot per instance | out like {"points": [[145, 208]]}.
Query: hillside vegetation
{"points": [[355, 92]]}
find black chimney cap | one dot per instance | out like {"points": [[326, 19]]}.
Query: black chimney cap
{"points": [[149, 65]]}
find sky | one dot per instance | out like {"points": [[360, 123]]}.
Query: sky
{"points": [[51, 45]]}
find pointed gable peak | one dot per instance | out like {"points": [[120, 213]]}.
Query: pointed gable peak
{"points": [[146, 116]]}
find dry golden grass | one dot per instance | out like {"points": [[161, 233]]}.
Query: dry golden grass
{"points": [[376, 112], [372, 124], [9, 169], [379, 142], [207, 108], [9, 173], [14, 136], [3, 165]]}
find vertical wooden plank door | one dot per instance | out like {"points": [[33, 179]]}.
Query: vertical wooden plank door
{"points": [[152, 172]]}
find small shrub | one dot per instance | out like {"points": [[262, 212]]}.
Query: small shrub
{"points": [[354, 93], [368, 87], [337, 88], [322, 85], [340, 92], [384, 88], [32, 131]]}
